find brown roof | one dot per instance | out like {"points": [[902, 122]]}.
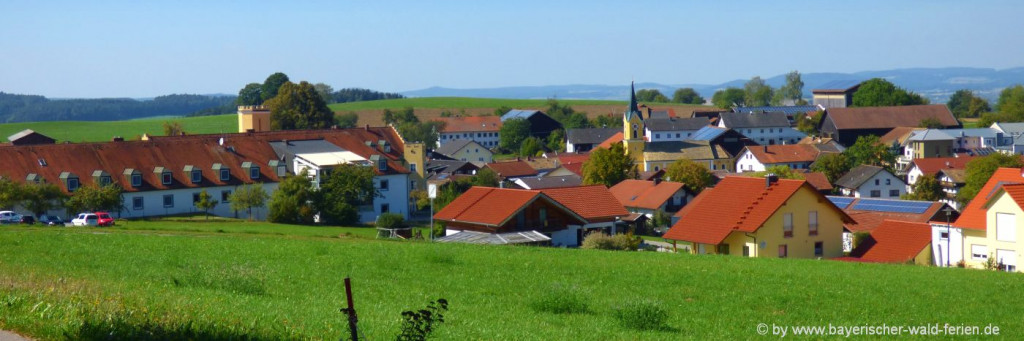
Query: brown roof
{"points": [[512, 169], [898, 135], [470, 123], [784, 153], [593, 203], [895, 242], [818, 180], [488, 206], [645, 194], [932, 165], [890, 117]]}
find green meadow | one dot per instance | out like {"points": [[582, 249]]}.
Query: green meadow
{"points": [[94, 131], [193, 279]]}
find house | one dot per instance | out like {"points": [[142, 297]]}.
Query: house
{"points": [[835, 94], [868, 214], [985, 234], [791, 111], [541, 125], [660, 155], [585, 139], [866, 181], [466, 150], [648, 197], [484, 130], [761, 217], [730, 140], [847, 124], [952, 180], [565, 215], [510, 170], [764, 128], [823, 144], [1013, 136], [760, 158], [440, 172], [896, 241], [954, 167], [29, 137], [548, 182], [664, 128]]}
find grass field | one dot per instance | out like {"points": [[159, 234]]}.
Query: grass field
{"points": [[227, 280], [92, 131]]}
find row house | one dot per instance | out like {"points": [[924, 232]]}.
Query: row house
{"points": [[484, 130], [764, 128]]}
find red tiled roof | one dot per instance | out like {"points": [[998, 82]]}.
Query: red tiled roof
{"points": [[735, 204], [932, 165], [896, 241], [487, 205], [512, 169], [973, 215], [818, 180], [645, 194], [1016, 192], [784, 153], [573, 158], [576, 168], [890, 117], [470, 123], [610, 141], [593, 203]]}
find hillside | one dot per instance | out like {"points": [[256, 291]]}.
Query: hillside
{"points": [[231, 283], [92, 131]]}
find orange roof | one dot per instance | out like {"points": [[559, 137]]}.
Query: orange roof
{"points": [[896, 242], [784, 153], [932, 165], [973, 215], [645, 194], [610, 141], [512, 169], [470, 123], [1016, 192], [487, 205], [736, 204], [593, 203], [818, 180]]}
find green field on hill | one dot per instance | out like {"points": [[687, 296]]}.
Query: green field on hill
{"points": [[460, 103], [93, 131], [237, 280]]}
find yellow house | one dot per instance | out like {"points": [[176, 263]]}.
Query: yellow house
{"points": [[930, 143], [466, 150], [253, 117], [761, 217], [998, 245]]}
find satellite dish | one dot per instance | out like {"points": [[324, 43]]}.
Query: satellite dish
{"points": [[220, 141]]}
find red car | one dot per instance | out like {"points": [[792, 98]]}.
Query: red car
{"points": [[104, 219]]}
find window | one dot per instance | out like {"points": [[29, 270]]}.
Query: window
{"points": [[1006, 227], [72, 184], [412, 184], [136, 180], [819, 249], [876, 193], [894, 193], [225, 174], [384, 185], [783, 251], [481, 159], [197, 176], [137, 203], [168, 200], [812, 223], [787, 225], [105, 180], [165, 178], [195, 197], [723, 249], [385, 208], [656, 168], [412, 167], [254, 172], [657, 136], [383, 165], [225, 196], [762, 131], [677, 135], [944, 235], [979, 252], [876, 182], [888, 182]]}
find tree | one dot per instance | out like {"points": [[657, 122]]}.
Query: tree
{"points": [[687, 96], [531, 146], [808, 124], [246, 197], [343, 192], [757, 93], [1011, 101], [979, 170], [512, 133], [575, 121], [782, 172], [878, 92], [173, 128], [325, 92], [728, 98], [926, 188], [486, 177], [869, 151], [694, 176], [833, 165], [650, 95], [607, 121], [251, 94], [348, 120], [271, 85], [556, 141], [205, 203], [298, 106], [41, 197], [963, 103], [426, 132], [502, 110], [10, 193], [292, 202], [793, 90], [931, 123], [93, 198], [609, 166]]}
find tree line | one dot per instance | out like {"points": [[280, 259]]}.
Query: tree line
{"points": [[29, 108]]}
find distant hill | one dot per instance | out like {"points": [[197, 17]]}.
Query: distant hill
{"points": [[935, 83], [33, 108]]}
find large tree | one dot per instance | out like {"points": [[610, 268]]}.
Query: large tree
{"points": [[757, 93], [687, 96], [878, 92], [963, 103], [808, 123], [833, 165], [609, 166], [272, 84], [251, 94], [94, 198], [650, 95], [10, 193], [292, 202], [728, 97], [1011, 101], [926, 188], [247, 197], [39, 198], [348, 120], [694, 176], [512, 133], [793, 90], [299, 106], [979, 170], [325, 92], [868, 150], [343, 192], [782, 172]]}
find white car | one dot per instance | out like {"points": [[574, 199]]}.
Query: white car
{"points": [[85, 219], [9, 217]]}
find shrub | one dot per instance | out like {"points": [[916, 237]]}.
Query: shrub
{"points": [[601, 241], [642, 315], [561, 299], [390, 220]]}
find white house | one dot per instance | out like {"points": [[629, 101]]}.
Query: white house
{"points": [[866, 181], [466, 150], [765, 128], [584, 139], [759, 158], [664, 128], [485, 130]]}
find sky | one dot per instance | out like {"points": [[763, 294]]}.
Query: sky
{"points": [[88, 49]]}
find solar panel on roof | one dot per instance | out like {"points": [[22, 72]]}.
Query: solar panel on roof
{"points": [[841, 202], [896, 206]]}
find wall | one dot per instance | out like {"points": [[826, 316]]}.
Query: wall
{"points": [[1003, 204], [770, 135], [488, 139], [746, 162], [894, 184], [153, 203], [396, 197], [923, 149], [830, 100], [669, 135], [955, 244], [473, 152]]}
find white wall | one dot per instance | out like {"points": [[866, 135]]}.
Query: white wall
{"points": [[767, 135], [396, 197], [940, 245], [669, 135], [894, 183], [153, 203], [488, 139], [748, 163]]}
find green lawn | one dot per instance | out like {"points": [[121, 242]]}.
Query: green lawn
{"points": [[191, 281], [92, 131]]}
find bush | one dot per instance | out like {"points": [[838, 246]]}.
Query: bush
{"points": [[601, 241], [642, 315], [390, 221], [561, 299]]}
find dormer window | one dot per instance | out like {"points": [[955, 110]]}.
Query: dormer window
{"points": [[101, 178], [223, 172], [136, 180], [134, 177], [70, 181], [254, 170], [165, 175], [382, 165], [278, 167], [194, 174], [33, 178]]}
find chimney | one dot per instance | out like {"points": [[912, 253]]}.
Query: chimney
{"points": [[769, 179], [118, 139], [657, 181], [367, 127], [765, 148]]}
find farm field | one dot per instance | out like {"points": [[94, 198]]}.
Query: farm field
{"points": [[95, 131], [234, 279]]}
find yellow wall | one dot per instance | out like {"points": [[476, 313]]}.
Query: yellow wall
{"points": [[720, 164], [830, 97], [415, 154], [560, 171], [633, 147], [1002, 204], [473, 152], [925, 256], [800, 245], [256, 118], [923, 149]]}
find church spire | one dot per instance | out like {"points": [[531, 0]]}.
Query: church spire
{"points": [[632, 99]]}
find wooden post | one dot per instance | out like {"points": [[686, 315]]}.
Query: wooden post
{"points": [[351, 311]]}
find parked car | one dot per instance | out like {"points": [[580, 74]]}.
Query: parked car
{"points": [[9, 217], [85, 219], [104, 219], [51, 220], [28, 220]]}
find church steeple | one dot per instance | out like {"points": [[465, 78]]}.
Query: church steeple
{"points": [[633, 108]]}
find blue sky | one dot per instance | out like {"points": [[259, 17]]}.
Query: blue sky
{"points": [[144, 49]]}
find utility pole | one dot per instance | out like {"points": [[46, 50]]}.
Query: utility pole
{"points": [[432, 193], [351, 311]]}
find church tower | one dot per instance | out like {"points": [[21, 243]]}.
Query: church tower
{"points": [[633, 129]]}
